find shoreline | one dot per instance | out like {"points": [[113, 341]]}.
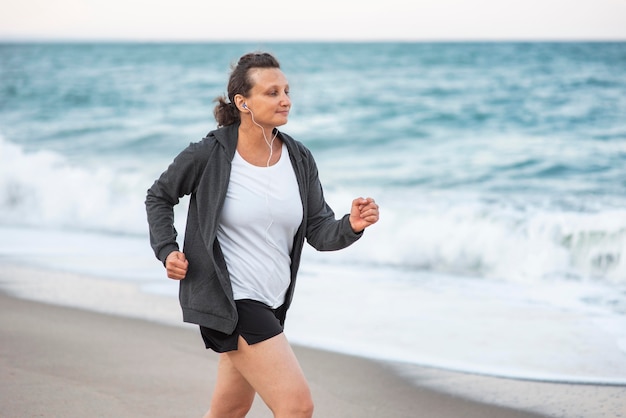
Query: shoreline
{"points": [[36, 334], [64, 361]]}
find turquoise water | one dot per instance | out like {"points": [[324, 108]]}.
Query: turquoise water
{"points": [[498, 166]]}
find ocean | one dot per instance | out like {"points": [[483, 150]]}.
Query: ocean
{"points": [[499, 168]]}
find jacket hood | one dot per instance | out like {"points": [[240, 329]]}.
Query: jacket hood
{"points": [[224, 136]]}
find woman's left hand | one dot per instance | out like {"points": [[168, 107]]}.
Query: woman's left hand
{"points": [[364, 212]]}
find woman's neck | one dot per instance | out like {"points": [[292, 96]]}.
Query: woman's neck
{"points": [[258, 147]]}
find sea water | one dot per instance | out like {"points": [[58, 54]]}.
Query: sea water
{"points": [[500, 170]]}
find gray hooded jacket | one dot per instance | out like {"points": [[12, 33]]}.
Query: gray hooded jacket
{"points": [[202, 170]]}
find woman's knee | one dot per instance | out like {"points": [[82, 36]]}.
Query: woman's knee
{"points": [[306, 408], [295, 406], [305, 411]]}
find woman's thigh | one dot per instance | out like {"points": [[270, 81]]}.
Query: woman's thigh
{"points": [[233, 395], [272, 369]]}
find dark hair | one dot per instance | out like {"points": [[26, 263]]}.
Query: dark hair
{"points": [[226, 113]]}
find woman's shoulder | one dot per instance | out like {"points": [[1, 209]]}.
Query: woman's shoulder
{"points": [[197, 153], [216, 137], [198, 150]]}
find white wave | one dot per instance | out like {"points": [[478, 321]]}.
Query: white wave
{"points": [[511, 240], [495, 239], [43, 189]]}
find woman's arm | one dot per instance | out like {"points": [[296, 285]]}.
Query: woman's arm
{"points": [[324, 232], [178, 180]]}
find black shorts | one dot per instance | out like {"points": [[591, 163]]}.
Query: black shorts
{"points": [[257, 322]]}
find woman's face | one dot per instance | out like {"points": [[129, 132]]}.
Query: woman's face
{"points": [[269, 100]]}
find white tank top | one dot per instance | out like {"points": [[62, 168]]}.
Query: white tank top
{"points": [[261, 215]]}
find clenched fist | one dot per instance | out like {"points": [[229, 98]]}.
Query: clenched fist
{"points": [[176, 265]]}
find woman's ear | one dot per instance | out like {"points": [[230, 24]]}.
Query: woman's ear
{"points": [[240, 102]]}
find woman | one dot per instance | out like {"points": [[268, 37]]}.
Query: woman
{"points": [[255, 198]]}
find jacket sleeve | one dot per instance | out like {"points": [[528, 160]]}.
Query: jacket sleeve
{"points": [[180, 179], [324, 232]]}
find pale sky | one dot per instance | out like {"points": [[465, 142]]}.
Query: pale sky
{"points": [[326, 20]]}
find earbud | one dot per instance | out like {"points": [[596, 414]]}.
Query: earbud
{"points": [[245, 106]]}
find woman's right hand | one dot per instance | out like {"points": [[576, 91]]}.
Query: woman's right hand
{"points": [[176, 265]]}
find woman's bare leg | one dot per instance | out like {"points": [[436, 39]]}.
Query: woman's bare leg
{"points": [[272, 370], [233, 395]]}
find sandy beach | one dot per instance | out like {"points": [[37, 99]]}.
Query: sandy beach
{"points": [[58, 361]]}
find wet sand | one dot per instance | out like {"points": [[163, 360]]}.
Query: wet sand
{"points": [[60, 361], [136, 358]]}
